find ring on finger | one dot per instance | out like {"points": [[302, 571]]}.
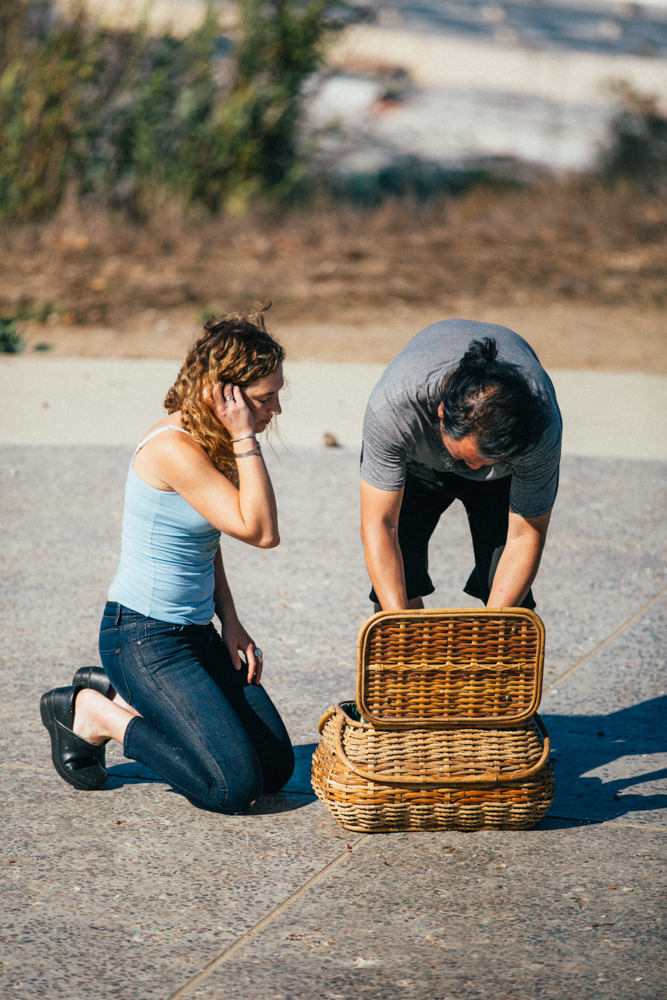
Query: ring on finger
{"points": [[230, 399], [258, 653]]}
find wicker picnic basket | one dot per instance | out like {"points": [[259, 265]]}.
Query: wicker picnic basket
{"points": [[444, 733]]}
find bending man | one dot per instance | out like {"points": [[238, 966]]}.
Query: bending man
{"points": [[464, 412]]}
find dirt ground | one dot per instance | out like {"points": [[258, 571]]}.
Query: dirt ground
{"points": [[579, 270], [563, 335]]}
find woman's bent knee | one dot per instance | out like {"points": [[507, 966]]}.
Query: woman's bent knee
{"points": [[235, 794]]}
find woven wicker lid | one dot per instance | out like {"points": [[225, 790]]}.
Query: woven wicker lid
{"points": [[450, 667]]}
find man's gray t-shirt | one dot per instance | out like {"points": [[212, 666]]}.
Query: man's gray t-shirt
{"points": [[401, 422]]}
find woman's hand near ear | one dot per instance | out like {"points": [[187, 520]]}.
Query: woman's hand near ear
{"points": [[229, 408], [247, 512]]}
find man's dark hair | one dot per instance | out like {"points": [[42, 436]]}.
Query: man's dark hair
{"points": [[492, 400]]}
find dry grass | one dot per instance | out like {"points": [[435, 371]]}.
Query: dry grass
{"points": [[563, 247]]}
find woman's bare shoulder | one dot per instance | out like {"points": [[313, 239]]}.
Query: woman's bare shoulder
{"points": [[171, 420], [156, 456]]}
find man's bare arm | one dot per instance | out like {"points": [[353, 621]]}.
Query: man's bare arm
{"points": [[380, 510], [520, 560]]}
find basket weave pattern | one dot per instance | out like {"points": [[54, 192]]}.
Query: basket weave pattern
{"points": [[434, 799], [439, 669], [444, 733]]}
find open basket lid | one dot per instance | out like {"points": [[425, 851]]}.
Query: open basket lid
{"points": [[450, 667]]}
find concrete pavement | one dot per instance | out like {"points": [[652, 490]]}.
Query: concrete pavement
{"points": [[77, 401], [130, 892]]}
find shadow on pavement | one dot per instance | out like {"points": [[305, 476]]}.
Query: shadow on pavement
{"points": [[599, 759], [297, 792]]}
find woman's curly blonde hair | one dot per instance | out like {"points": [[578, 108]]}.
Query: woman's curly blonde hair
{"points": [[234, 348]]}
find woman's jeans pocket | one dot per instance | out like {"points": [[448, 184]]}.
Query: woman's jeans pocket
{"points": [[166, 648]]}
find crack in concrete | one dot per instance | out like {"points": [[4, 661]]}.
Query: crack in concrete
{"points": [[602, 822], [257, 928], [268, 919], [605, 642]]}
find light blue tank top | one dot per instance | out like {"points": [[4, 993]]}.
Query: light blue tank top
{"points": [[167, 552]]}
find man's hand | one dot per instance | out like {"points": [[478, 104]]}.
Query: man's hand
{"points": [[380, 511], [520, 560]]}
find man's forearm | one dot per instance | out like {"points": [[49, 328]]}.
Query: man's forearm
{"points": [[385, 566], [516, 571]]}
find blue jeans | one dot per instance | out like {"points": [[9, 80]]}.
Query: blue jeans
{"points": [[214, 737]]}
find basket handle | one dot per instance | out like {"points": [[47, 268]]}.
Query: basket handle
{"points": [[325, 718], [473, 779]]}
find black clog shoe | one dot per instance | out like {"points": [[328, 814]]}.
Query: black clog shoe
{"points": [[95, 678], [76, 760]]}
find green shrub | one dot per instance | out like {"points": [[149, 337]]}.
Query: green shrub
{"points": [[10, 341], [256, 127], [638, 145], [126, 116], [42, 110]]}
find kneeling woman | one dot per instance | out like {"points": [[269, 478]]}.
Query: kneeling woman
{"points": [[176, 695]]}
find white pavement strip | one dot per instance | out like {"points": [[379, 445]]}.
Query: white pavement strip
{"points": [[81, 401]]}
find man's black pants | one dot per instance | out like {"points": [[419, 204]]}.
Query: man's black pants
{"points": [[427, 495]]}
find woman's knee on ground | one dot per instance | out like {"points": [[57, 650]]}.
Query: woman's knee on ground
{"points": [[233, 790]]}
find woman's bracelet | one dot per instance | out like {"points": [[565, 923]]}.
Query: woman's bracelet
{"points": [[244, 437], [246, 454]]}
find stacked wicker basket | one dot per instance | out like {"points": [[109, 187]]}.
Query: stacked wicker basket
{"points": [[444, 734]]}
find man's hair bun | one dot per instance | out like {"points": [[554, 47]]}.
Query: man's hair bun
{"points": [[480, 352]]}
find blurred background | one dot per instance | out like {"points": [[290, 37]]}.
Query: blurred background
{"points": [[367, 167]]}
